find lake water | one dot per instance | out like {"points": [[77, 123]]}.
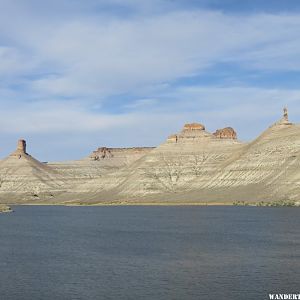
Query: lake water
{"points": [[232, 253]]}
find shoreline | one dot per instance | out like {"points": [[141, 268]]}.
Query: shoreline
{"points": [[124, 203]]}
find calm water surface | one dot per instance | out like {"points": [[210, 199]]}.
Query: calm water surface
{"points": [[235, 253]]}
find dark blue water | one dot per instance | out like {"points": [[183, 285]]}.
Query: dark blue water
{"points": [[235, 253]]}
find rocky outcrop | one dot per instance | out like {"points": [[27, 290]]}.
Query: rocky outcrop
{"points": [[118, 157], [192, 132], [284, 120], [109, 153], [226, 133], [21, 146], [101, 153], [21, 149], [285, 114], [173, 138]]}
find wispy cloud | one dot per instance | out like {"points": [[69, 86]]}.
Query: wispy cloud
{"points": [[60, 69], [120, 55]]}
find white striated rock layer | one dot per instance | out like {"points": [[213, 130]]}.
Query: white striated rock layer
{"points": [[193, 165]]}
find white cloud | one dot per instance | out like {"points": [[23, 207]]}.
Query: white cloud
{"points": [[88, 57], [215, 106], [12, 62], [57, 117], [104, 56], [73, 130]]}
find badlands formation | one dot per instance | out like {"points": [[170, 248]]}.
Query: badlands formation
{"points": [[193, 166]]}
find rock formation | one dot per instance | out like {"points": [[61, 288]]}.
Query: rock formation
{"points": [[192, 132], [173, 138], [285, 118], [193, 126], [193, 165], [170, 168], [23, 176], [129, 154], [226, 133], [22, 146], [285, 114], [101, 153], [21, 149]]}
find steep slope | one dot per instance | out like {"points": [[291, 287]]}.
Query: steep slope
{"points": [[21, 174], [268, 168]]}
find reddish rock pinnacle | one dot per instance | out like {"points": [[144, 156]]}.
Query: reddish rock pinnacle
{"points": [[21, 149], [21, 146]]}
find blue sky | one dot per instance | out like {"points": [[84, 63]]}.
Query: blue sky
{"points": [[75, 75]]}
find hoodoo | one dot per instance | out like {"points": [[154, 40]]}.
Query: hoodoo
{"points": [[285, 114], [21, 146], [285, 118], [21, 149]]}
